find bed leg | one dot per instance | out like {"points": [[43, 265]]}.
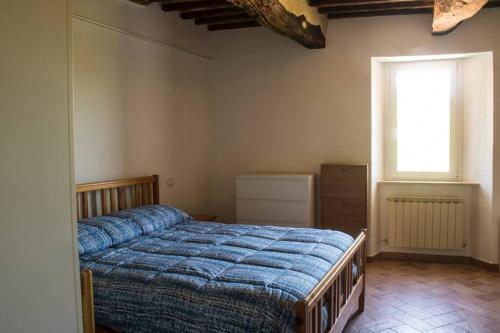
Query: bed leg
{"points": [[87, 301], [361, 306], [301, 321]]}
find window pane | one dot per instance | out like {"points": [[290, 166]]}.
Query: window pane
{"points": [[423, 120]]}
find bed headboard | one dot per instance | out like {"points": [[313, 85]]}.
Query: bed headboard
{"points": [[102, 198]]}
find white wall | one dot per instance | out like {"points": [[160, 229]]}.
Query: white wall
{"points": [[477, 154], [377, 146], [285, 108], [467, 192], [149, 21], [37, 250], [476, 157], [272, 105], [142, 103]]}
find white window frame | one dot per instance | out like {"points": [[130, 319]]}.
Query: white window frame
{"points": [[455, 122]]}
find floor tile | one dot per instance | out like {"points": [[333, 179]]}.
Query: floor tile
{"points": [[427, 297]]}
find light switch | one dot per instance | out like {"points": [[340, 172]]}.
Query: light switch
{"points": [[170, 182]]}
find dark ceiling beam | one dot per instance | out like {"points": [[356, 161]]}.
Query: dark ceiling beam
{"points": [[377, 6], [145, 2], [175, 5], [492, 4], [323, 3], [198, 14], [228, 26], [345, 8], [384, 12], [238, 18], [307, 23]]}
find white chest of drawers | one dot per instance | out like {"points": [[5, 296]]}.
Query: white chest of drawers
{"points": [[275, 199]]}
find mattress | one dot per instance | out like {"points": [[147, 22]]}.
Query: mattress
{"points": [[210, 277]]}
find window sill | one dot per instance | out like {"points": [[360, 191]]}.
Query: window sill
{"points": [[426, 182]]}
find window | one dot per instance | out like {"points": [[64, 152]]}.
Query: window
{"points": [[423, 132]]}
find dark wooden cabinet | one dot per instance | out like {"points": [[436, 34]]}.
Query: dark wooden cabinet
{"points": [[344, 202]]}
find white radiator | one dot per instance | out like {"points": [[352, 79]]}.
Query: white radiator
{"points": [[426, 222]]}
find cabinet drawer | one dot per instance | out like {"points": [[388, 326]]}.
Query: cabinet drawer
{"points": [[343, 181], [292, 224], [343, 213], [299, 189], [280, 211]]}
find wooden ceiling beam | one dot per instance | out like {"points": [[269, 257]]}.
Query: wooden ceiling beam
{"points": [[383, 12], [177, 5], [377, 6], [198, 14], [238, 18], [228, 26], [448, 14], [305, 21], [290, 18], [295, 19]]}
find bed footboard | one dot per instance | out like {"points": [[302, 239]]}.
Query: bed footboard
{"points": [[340, 291]]}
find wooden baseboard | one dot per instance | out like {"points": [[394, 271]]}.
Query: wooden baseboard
{"points": [[434, 258]]}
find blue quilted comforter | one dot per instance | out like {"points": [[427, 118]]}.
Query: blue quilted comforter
{"points": [[187, 276]]}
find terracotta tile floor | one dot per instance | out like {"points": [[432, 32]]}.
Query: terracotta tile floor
{"points": [[425, 297]]}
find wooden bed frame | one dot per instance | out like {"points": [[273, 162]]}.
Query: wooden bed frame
{"points": [[340, 290]]}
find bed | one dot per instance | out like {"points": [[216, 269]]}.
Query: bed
{"points": [[150, 268]]}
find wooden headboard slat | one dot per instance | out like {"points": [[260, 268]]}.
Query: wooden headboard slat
{"points": [[104, 201], [112, 199], [102, 198], [88, 187]]}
